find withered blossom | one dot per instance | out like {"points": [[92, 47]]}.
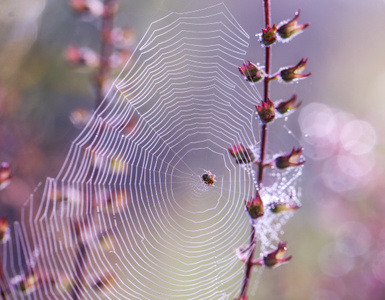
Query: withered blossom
{"points": [[94, 7], [284, 107], [291, 28], [4, 230], [266, 111], [276, 257], [25, 284], [254, 207], [252, 72], [293, 73], [277, 207], [291, 159], [269, 35], [5, 175], [81, 56]]}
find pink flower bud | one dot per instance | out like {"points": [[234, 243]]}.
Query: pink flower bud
{"points": [[94, 7], [269, 35], [266, 111], [254, 206], [278, 207], [286, 106], [252, 72], [291, 28], [242, 154], [81, 56], [293, 73], [25, 284], [289, 159], [4, 230], [276, 257], [5, 175]]}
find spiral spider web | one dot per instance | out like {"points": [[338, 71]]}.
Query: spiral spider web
{"points": [[128, 215]]}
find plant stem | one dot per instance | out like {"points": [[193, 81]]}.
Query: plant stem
{"points": [[265, 97], [2, 283], [263, 144], [80, 259], [107, 48]]}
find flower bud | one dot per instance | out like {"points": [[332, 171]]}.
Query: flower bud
{"points": [[289, 29], [26, 284], [293, 73], [252, 72], [266, 111], [277, 207], [269, 35], [81, 56], [289, 159], [4, 230], [5, 175], [104, 281], [276, 257], [93, 7], [254, 206], [242, 154], [284, 107]]}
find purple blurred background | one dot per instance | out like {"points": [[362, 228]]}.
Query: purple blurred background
{"points": [[337, 239]]}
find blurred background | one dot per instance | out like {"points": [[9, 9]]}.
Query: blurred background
{"points": [[337, 239]]}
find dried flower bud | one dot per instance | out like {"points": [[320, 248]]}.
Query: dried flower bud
{"points": [[276, 257], [266, 111], [80, 117], [79, 5], [289, 29], [104, 281], [254, 206], [4, 230], [269, 35], [293, 73], [94, 7], [25, 284], [5, 175], [242, 253], [252, 72], [289, 159], [277, 207], [242, 154], [123, 38], [284, 107], [81, 56]]}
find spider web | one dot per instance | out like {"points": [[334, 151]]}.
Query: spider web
{"points": [[128, 215]]}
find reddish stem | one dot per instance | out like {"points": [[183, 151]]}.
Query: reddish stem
{"points": [[107, 49], [261, 165], [2, 282], [80, 261]]}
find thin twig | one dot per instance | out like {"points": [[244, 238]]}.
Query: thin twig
{"points": [[101, 76], [107, 48], [80, 261], [2, 283]]}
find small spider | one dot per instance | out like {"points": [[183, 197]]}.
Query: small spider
{"points": [[208, 178]]}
